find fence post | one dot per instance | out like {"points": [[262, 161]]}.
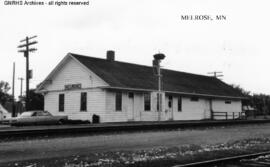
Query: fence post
{"points": [[226, 115], [233, 116]]}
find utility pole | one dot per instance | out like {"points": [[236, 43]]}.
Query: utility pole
{"points": [[26, 51], [13, 88], [156, 63], [21, 79], [216, 74], [13, 80]]}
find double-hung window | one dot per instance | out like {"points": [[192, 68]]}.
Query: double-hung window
{"points": [[179, 104], [83, 101], [118, 101], [61, 102], [147, 102]]}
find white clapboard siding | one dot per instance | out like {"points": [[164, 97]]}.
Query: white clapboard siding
{"points": [[138, 106], [151, 115], [139, 113], [111, 114], [234, 107], [197, 110], [191, 110], [72, 72], [102, 102], [95, 104], [220, 105]]}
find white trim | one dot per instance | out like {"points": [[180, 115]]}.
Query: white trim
{"points": [[69, 55], [146, 90], [182, 93], [87, 69], [63, 90], [59, 65], [52, 73]]}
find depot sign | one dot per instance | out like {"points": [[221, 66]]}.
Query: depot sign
{"points": [[73, 86]]}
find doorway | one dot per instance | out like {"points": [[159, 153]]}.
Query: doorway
{"points": [[169, 114], [207, 109], [130, 108]]}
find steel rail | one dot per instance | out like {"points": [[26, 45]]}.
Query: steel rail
{"points": [[221, 160]]}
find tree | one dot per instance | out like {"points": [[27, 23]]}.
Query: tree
{"points": [[245, 102], [4, 96], [241, 90], [261, 102], [36, 101]]}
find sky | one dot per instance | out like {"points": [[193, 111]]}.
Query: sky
{"points": [[138, 29]]}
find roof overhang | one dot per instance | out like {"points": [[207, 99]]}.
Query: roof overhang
{"points": [[48, 78], [176, 93]]}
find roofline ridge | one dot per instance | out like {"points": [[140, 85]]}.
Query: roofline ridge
{"points": [[140, 65], [188, 73]]}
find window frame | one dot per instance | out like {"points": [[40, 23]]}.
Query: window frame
{"points": [[118, 104], [179, 105], [194, 99], [83, 102], [147, 104], [228, 102], [61, 102], [170, 101]]}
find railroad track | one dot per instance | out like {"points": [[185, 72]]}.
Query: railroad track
{"points": [[261, 159]]}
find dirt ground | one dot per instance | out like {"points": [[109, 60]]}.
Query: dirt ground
{"points": [[11, 151]]}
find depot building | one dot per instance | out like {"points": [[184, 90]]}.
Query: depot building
{"points": [[81, 86]]}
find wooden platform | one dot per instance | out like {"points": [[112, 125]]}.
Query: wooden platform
{"points": [[13, 131]]}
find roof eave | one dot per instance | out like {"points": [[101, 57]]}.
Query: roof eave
{"points": [[69, 55], [40, 87], [176, 92]]}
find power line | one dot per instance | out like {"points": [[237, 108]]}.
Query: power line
{"points": [[26, 51], [216, 74]]}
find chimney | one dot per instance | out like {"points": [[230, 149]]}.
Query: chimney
{"points": [[110, 55]]}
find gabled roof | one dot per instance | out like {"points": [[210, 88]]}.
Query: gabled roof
{"points": [[127, 75]]}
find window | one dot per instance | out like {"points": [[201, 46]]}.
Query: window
{"points": [[83, 101], [130, 94], [147, 102], [194, 99], [228, 102], [170, 101], [179, 104], [61, 103], [118, 101]]}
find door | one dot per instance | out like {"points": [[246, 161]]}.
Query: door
{"points": [[207, 109], [169, 114], [130, 108]]}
